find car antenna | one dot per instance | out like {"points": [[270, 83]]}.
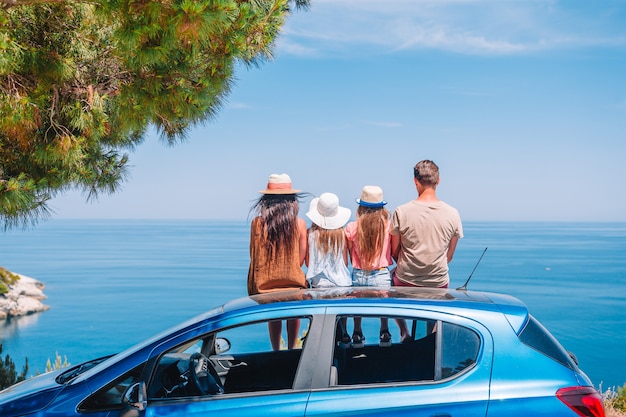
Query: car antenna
{"points": [[464, 286]]}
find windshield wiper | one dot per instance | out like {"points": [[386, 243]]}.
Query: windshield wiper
{"points": [[72, 373]]}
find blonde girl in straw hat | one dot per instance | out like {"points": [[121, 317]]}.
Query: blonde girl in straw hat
{"points": [[370, 252]]}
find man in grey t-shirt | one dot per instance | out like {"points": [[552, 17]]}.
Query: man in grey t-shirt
{"points": [[424, 233]]}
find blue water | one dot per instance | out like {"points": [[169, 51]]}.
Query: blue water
{"points": [[112, 283]]}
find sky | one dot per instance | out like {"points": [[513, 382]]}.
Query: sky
{"points": [[521, 104]]}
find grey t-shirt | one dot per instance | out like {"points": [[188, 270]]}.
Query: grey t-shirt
{"points": [[425, 230]]}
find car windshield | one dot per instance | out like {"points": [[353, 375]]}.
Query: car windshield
{"points": [[99, 366], [73, 372]]}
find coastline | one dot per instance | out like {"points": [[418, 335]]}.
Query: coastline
{"points": [[24, 297]]}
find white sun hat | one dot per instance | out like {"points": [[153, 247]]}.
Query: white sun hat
{"points": [[326, 212]]}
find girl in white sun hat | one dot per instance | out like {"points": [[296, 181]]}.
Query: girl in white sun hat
{"points": [[327, 256]]}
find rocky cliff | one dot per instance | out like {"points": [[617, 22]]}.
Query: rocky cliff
{"points": [[24, 297]]}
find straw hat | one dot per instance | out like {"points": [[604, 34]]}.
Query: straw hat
{"points": [[326, 212], [371, 196], [279, 184]]}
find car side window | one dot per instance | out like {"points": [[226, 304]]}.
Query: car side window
{"points": [[109, 397], [459, 349], [252, 365], [432, 351], [238, 359]]}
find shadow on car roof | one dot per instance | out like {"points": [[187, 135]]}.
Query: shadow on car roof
{"points": [[355, 292], [373, 293]]}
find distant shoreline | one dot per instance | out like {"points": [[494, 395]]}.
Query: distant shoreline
{"points": [[23, 298]]}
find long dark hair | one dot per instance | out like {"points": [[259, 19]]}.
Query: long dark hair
{"points": [[278, 214]]}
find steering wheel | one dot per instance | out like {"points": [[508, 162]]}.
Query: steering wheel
{"points": [[203, 376]]}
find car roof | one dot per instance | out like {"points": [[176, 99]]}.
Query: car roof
{"points": [[515, 310]]}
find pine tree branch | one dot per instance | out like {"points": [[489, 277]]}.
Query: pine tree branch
{"points": [[11, 3]]}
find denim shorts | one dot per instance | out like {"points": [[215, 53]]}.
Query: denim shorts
{"points": [[377, 278]]}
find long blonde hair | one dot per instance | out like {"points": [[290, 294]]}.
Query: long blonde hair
{"points": [[371, 234], [328, 241]]}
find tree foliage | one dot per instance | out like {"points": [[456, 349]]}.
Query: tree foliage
{"points": [[7, 278], [81, 82], [8, 374]]}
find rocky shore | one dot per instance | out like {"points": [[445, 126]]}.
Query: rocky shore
{"points": [[24, 297]]}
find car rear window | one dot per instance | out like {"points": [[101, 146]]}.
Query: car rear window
{"points": [[539, 338], [460, 347]]}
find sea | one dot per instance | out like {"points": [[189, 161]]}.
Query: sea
{"points": [[112, 283]]}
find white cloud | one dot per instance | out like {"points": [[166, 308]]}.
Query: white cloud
{"points": [[287, 45], [383, 124], [238, 106], [462, 26]]}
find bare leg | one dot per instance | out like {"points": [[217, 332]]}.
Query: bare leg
{"points": [[293, 326], [384, 324], [385, 336], [275, 329], [404, 330], [358, 341], [357, 325]]}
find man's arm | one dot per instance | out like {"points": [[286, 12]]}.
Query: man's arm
{"points": [[452, 247], [395, 247]]}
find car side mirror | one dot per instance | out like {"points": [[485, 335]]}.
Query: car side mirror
{"points": [[222, 345], [135, 399]]}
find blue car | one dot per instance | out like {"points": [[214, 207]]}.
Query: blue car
{"points": [[467, 354]]}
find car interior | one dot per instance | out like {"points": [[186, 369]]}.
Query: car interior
{"points": [[243, 360], [411, 360], [240, 359], [235, 360]]}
